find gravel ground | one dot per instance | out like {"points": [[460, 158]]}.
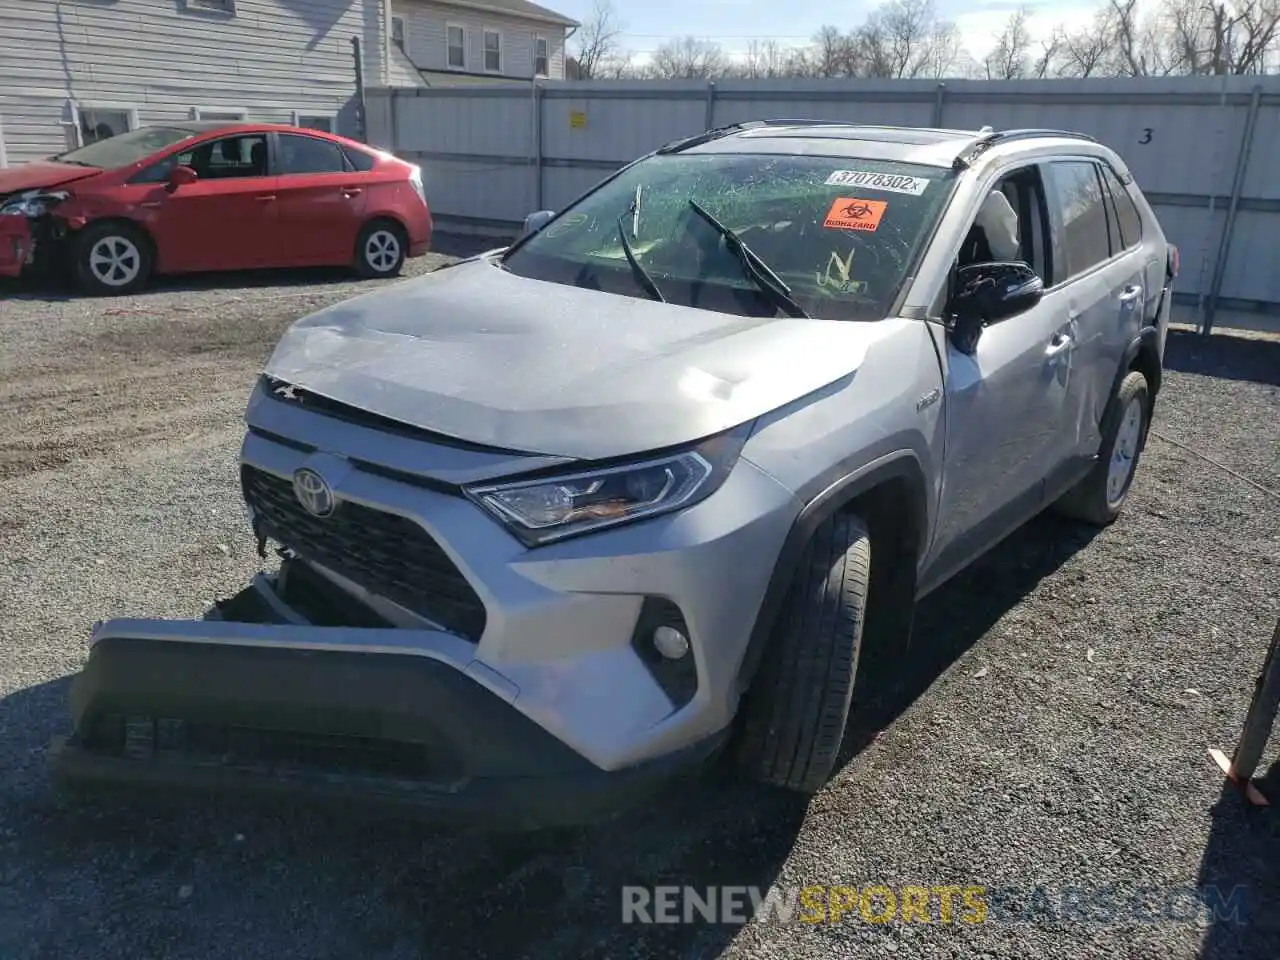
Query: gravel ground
{"points": [[1052, 731]]}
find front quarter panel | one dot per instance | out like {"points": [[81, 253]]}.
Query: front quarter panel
{"points": [[890, 406]]}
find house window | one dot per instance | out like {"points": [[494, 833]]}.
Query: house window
{"points": [[457, 47], [314, 121], [541, 57], [221, 6], [99, 122], [228, 114], [397, 31], [493, 51]]}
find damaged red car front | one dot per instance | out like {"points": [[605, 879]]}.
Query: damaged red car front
{"points": [[15, 245], [28, 195]]}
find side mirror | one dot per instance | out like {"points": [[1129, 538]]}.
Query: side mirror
{"points": [[986, 293], [536, 221], [181, 176]]}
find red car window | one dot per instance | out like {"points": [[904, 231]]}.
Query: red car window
{"points": [[309, 155]]}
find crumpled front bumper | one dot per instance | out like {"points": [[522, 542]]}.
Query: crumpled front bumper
{"points": [[288, 707], [16, 243]]}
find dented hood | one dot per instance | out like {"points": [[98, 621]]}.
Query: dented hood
{"points": [[482, 355], [41, 174]]}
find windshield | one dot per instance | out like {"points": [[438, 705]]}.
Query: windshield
{"points": [[840, 233], [126, 148]]}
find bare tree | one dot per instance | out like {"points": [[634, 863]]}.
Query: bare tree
{"points": [[688, 58], [1180, 37], [1207, 37], [906, 38], [765, 59], [1009, 59], [597, 42], [1050, 54], [832, 54]]}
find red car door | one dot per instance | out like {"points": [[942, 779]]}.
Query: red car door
{"points": [[321, 201], [226, 219]]}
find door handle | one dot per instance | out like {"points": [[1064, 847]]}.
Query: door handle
{"points": [[1130, 293], [352, 191], [265, 198], [1060, 343]]}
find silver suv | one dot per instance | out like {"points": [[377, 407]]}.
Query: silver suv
{"points": [[568, 519]]}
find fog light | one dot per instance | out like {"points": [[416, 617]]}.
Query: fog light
{"points": [[670, 642]]}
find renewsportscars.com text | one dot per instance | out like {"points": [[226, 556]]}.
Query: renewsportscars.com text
{"points": [[942, 904]]}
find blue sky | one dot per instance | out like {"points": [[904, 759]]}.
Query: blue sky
{"points": [[734, 23]]}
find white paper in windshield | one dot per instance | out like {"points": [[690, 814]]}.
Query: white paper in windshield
{"points": [[891, 182]]}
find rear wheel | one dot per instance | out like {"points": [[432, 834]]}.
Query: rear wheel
{"points": [[793, 717], [1099, 497], [381, 249], [111, 258]]}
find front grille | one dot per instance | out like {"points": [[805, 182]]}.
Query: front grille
{"points": [[385, 553]]}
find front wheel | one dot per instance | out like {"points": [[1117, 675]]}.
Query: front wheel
{"points": [[381, 249], [793, 718], [111, 258], [1099, 497]]}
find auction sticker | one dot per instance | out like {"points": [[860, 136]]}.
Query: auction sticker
{"points": [[893, 183], [850, 213]]}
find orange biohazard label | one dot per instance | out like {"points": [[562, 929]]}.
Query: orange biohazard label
{"points": [[849, 213]]}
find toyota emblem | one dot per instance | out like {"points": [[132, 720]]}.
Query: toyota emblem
{"points": [[313, 493]]}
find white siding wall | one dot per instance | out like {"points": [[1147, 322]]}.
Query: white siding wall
{"points": [[425, 38], [270, 58]]}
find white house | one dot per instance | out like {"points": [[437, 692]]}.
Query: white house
{"points": [[72, 71], [469, 41]]}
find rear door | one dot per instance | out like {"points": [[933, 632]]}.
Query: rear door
{"points": [[321, 201], [1103, 288], [226, 220]]}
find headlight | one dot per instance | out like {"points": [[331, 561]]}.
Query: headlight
{"points": [[34, 203], [553, 508]]}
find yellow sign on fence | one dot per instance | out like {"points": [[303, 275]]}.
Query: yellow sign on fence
{"points": [[577, 119]]}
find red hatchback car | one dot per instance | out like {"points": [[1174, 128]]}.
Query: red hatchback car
{"points": [[189, 197]]}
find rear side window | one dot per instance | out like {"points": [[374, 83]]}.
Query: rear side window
{"points": [[360, 160], [1083, 213], [1127, 217], [309, 155]]}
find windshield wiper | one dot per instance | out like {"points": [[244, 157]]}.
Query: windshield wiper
{"points": [[641, 274], [769, 282]]}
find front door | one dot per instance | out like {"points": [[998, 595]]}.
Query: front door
{"points": [[227, 219], [1005, 403], [321, 201]]}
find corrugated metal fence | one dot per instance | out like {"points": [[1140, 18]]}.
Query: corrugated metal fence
{"points": [[1205, 150]]}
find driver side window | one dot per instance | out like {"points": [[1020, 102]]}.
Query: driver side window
{"points": [[244, 155], [1012, 224]]}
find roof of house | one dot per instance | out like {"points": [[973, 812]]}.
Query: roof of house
{"points": [[514, 8]]}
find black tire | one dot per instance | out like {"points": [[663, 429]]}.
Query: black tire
{"points": [[374, 257], [111, 258], [792, 720], [1093, 500]]}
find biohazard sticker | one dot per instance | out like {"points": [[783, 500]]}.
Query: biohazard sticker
{"points": [[893, 183], [849, 213]]}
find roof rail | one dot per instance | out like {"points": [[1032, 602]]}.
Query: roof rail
{"points": [[683, 143], [988, 137]]}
